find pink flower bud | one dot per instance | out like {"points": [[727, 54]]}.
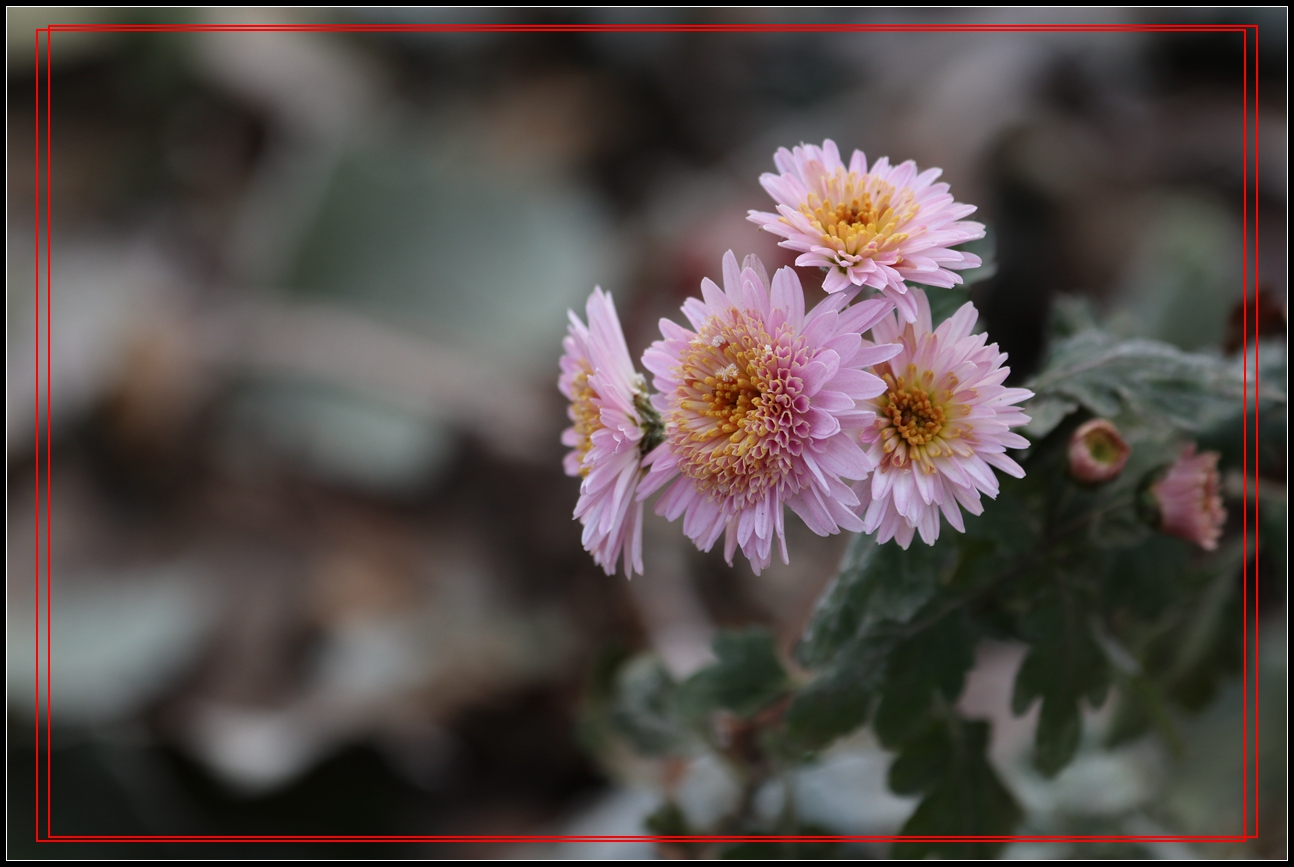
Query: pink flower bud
{"points": [[1096, 452], [1188, 499]]}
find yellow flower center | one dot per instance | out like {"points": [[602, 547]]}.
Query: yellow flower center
{"points": [[1102, 446], [734, 394], [917, 418], [735, 422], [584, 413], [863, 214]]}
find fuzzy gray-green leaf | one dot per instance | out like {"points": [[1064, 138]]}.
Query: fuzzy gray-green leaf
{"points": [[746, 677], [875, 583], [1108, 376]]}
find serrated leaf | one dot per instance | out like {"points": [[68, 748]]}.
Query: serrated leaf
{"points": [[876, 583], [746, 677], [839, 699], [871, 606], [1189, 391], [962, 792], [832, 706], [1065, 664], [931, 663]]}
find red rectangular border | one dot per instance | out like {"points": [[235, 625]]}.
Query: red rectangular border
{"points": [[50, 837]]}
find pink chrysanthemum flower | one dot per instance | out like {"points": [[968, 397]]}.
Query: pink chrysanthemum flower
{"points": [[761, 407], [613, 427], [1188, 499], [876, 228], [942, 425]]}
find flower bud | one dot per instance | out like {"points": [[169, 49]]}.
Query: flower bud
{"points": [[1096, 452], [1188, 500]]}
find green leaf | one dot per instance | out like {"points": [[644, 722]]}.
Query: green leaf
{"points": [[875, 583], [839, 699], [746, 678], [1072, 314], [1232, 439], [931, 663], [1064, 665], [832, 706], [873, 605], [1045, 414], [643, 707], [1272, 528], [1191, 657], [1011, 526], [858, 622], [1131, 720], [924, 761], [962, 793], [1188, 391], [1141, 706], [1149, 578], [1060, 728]]}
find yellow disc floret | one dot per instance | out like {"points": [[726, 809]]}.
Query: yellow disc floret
{"points": [[862, 216], [584, 412], [917, 417], [737, 418]]}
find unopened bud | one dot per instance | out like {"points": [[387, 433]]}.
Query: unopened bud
{"points": [[1096, 452], [1188, 499]]}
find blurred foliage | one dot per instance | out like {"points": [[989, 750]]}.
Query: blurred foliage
{"points": [[746, 678], [1105, 605]]}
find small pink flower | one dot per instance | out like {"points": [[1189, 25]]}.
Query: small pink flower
{"points": [[1096, 452], [612, 424], [1188, 499], [878, 227], [761, 406], [941, 427]]}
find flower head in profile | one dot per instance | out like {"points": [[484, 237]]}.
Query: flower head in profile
{"points": [[942, 425], [1096, 452], [761, 403], [876, 227], [613, 425], [1190, 505]]}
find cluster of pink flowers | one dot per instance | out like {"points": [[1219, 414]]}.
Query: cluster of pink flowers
{"points": [[857, 416]]}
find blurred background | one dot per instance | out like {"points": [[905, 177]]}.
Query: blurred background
{"points": [[314, 567]]}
